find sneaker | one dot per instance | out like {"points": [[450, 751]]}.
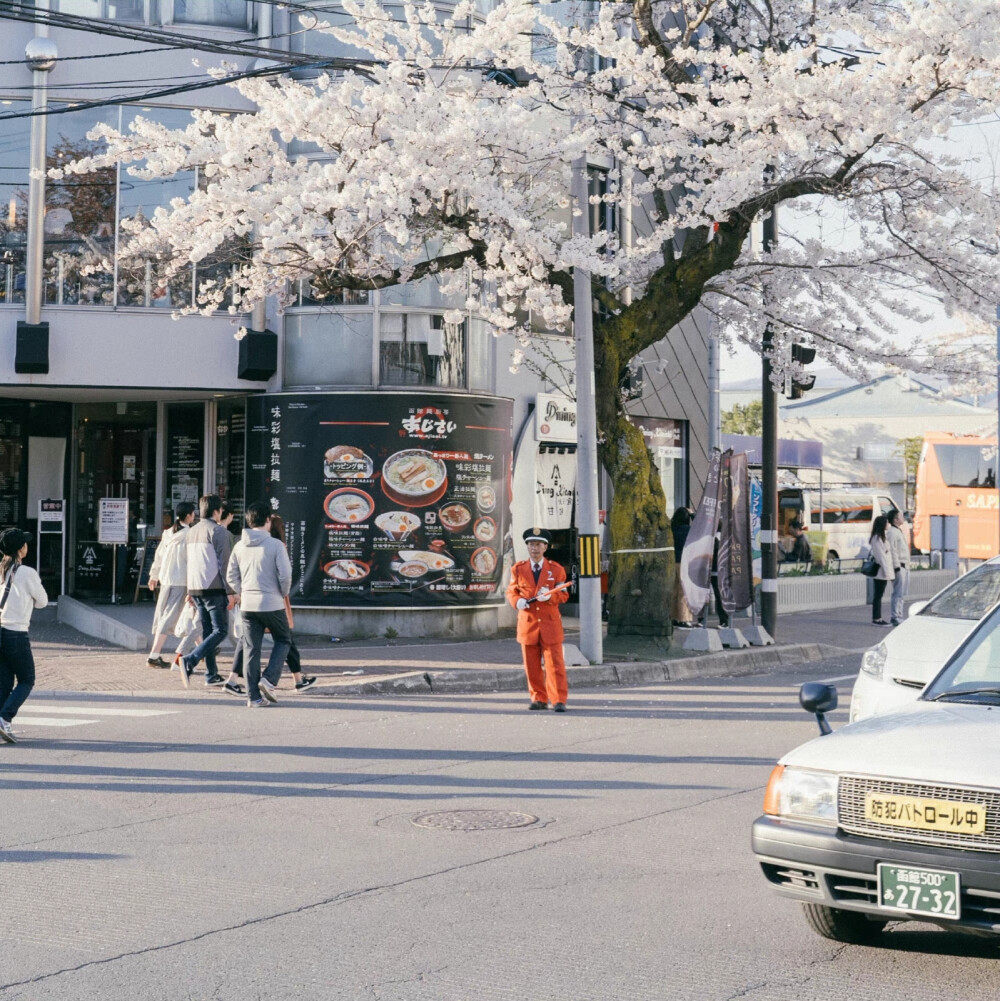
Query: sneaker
{"points": [[233, 688], [894, 622], [213, 680], [305, 683], [186, 670], [268, 690], [535, 706], [6, 732], [258, 704], [559, 707], [157, 662]]}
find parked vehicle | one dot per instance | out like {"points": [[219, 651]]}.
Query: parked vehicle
{"points": [[895, 672], [897, 817], [957, 476], [846, 521]]}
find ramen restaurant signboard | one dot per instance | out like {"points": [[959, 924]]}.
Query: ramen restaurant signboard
{"points": [[389, 499]]}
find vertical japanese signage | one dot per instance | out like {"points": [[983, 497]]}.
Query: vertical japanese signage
{"points": [[388, 499]]}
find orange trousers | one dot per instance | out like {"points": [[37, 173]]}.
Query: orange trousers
{"points": [[546, 684]]}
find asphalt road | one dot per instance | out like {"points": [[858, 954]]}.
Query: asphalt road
{"points": [[203, 850]]}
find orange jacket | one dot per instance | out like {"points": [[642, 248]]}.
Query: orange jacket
{"points": [[540, 622]]}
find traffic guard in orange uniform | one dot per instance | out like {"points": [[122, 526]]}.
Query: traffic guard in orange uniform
{"points": [[539, 624]]}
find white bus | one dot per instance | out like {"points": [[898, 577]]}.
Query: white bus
{"points": [[847, 516]]}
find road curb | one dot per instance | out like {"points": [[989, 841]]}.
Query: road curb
{"points": [[505, 678]]}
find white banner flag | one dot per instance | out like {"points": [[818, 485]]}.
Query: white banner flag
{"points": [[555, 489]]}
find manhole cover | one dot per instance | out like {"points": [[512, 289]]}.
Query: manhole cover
{"points": [[474, 820]]}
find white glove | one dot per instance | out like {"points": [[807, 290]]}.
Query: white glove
{"points": [[543, 595], [522, 604]]}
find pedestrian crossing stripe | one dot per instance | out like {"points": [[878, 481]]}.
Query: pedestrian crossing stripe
{"points": [[92, 711], [73, 715]]}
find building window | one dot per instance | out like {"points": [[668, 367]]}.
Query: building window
{"points": [[328, 349], [420, 349], [223, 13], [238, 14]]}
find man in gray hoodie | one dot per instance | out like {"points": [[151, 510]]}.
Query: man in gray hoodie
{"points": [[208, 549], [260, 573]]}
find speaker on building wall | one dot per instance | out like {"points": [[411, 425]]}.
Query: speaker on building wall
{"points": [[258, 355], [31, 356]]}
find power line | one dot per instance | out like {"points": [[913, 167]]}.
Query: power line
{"points": [[11, 11], [164, 92]]}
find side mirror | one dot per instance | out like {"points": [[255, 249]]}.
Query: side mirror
{"points": [[916, 608], [820, 699]]}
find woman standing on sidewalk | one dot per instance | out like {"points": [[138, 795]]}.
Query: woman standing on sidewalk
{"points": [[21, 594], [882, 555], [169, 571]]}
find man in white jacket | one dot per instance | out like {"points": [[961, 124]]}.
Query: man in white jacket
{"points": [[260, 574], [21, 592]]}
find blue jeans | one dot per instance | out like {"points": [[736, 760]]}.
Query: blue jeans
{"points": [[212, 609], [254, 624], [16, 664]]}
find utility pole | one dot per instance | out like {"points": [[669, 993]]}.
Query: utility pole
{"points": [[587, 525], [714, 419], [769, 463]]}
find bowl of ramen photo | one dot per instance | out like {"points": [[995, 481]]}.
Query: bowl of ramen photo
{"points": [[414, 478], [483, 560], [348, 505], [397, 524], [347, 571], [486, 497], [485, 529], [455, 517], [432, 561], [345, 462], [411, 569]]}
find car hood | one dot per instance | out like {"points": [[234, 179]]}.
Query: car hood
{"points": [[937, 742], [918, 647]]}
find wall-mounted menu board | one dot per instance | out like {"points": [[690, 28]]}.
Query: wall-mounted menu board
{"points": [[389, 499]]}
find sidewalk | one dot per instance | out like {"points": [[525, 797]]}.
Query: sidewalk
{"points": [[66, 660]]}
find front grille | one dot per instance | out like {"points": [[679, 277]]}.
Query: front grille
{"points": [[796, 879], [856, 889], [851, 812]]}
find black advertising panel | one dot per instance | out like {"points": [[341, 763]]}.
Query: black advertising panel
{"points": [[389, 499]]}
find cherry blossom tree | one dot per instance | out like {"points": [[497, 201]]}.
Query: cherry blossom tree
{"points": [[447, 151]]}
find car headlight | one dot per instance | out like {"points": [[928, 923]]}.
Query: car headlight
{"points": [[874, 660], [802, 794]]}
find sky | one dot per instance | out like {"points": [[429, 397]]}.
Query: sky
{"points": [[981, 143]]}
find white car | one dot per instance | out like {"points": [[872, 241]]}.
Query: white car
{"points": [[895, 818], [894, 672]]}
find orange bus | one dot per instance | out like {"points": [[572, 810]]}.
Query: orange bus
{"points": [[958, 475]]}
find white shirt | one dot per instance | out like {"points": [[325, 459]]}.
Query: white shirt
{"points": [[897, 543], [26, 594]]}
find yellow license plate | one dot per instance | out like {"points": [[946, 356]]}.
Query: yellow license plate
{"points": [[926, 814]]}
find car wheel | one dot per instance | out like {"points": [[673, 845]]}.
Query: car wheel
{"points": [[842, 926]]}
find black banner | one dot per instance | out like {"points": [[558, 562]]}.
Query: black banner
{"points": [[735, 558], [389, 499]]}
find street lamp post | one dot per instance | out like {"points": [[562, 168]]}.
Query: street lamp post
{"points": [[40, 54], [769, 465]]}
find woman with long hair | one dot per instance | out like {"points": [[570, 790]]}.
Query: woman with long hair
{"points": [[680, 525], [169, 571], [882, 555], [21, 592]]}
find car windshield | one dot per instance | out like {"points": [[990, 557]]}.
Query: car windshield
{"points": [[973, 672], [970, 597]]}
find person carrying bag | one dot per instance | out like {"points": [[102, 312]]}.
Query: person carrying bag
{"points": [[21, 594]]}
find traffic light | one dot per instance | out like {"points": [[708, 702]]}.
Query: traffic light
{"points": [[796, 386]]}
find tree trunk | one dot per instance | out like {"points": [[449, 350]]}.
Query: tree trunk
{"points": [[641, 570]]}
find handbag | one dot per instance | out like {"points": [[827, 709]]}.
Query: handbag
{"points": [[869, 566]]}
